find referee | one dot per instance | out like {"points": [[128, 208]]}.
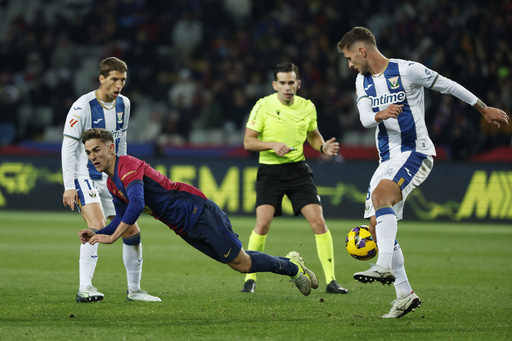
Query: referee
{"points": [[277, 128]]}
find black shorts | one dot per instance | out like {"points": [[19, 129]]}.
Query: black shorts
{"points": [[293, 179]]}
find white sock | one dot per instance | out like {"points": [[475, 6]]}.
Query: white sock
{"points": [[386, 234], [87, 264], [402, 286], [132, 258]]}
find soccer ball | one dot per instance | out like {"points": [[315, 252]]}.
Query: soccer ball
{"points": [[360, 244]]}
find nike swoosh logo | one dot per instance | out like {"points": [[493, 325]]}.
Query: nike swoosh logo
{"points": [[227, 254], [98, 120], [369, 86], [77, 108]]}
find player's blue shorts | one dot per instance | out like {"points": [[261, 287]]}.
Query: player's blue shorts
{"points": [[213, 234]]}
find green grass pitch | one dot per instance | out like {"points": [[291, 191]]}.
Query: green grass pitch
{"points": [[461, 271]]}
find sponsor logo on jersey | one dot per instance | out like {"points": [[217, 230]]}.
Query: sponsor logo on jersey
{"points": [[368, 87], [77, 108], [98, 121], [384, 99], [117, 134]]}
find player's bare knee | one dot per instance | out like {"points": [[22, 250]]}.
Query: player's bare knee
{"points": [[318, 226]]}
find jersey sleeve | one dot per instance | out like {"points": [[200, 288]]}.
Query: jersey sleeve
{"points": [[68, 158], [447, 86], [313, 124], [366, 114], [75, 123], [131, 173], [76, 120], [421, 75], [131, 170], [256, 117]]}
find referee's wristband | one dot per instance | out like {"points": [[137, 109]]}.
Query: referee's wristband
{"points": [[322, 148]]}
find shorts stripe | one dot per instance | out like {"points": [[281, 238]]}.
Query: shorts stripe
{"points": [[81, 199], [407, 172]]}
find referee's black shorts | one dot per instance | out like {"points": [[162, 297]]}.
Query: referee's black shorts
{"points": [[293, 179]]}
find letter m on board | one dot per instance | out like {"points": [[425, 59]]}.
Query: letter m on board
{"points": [[488, 197]]}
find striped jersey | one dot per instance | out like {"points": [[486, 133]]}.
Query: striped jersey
{"points": [[402, 82], [288, 124], [176, 204], [86, 113]]}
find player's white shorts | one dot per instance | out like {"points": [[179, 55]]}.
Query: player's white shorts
{"points": [[408, 170], [95, 191]]}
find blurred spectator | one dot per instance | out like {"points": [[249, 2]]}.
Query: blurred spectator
{"points": [[206, 61]]}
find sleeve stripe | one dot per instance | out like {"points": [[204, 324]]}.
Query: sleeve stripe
{"points": [[434, 82], [72, 137], [360, 98]]}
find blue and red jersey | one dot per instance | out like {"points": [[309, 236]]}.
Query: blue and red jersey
{"points": [[137, 188]]}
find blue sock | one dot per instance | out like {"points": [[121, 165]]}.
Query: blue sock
{"points": [[262, 262]]}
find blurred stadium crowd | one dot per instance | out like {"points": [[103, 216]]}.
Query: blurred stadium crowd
{"points": [[196, 67]]}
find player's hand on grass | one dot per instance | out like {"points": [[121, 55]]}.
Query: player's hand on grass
{"points": [[69, 198]]}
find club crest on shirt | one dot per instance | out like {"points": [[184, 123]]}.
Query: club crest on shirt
{"points": [[120, 117], [92, 194], [394, 82]]}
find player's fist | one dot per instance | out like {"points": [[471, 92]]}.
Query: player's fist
{"points": [[85, 235]]}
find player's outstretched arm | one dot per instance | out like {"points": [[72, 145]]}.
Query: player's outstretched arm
{"points": [[110, 239], [492, 115]]}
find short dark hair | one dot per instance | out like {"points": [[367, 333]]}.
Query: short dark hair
{"points": [[286, 67], [97, 133], [112, 64], [355, 35]]}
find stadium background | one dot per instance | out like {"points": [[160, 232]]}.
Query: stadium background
{"points": [[197, 67]]}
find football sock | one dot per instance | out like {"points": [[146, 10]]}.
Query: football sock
{"points": [[262, 262], [326, 254], [256, 243], [132, 258], [402, 286], [87, 264], [385, 230]]}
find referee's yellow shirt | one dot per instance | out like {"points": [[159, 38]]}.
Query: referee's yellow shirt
{"points": [[288, 124]]}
